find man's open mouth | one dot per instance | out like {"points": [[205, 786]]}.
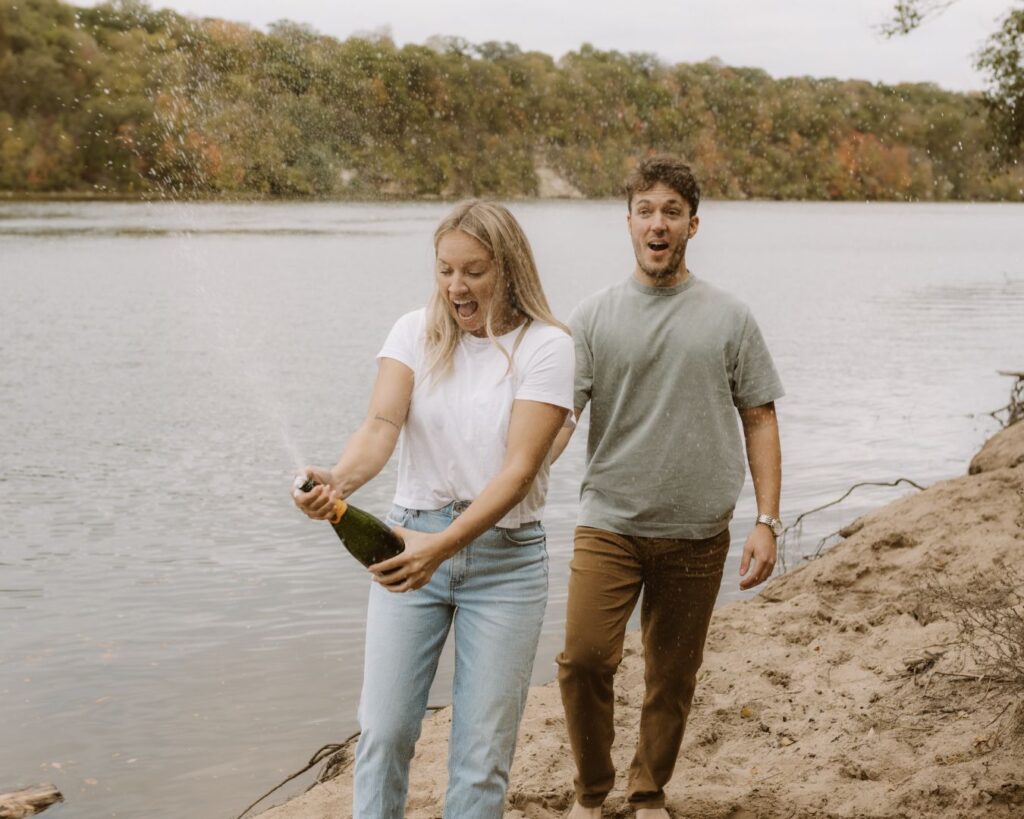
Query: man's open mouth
{"points": [[657, 247]]}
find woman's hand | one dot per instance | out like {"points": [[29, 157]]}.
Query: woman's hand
{"points": [[318, 503], [414, 567]]}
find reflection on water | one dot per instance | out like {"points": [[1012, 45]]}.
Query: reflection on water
{"points": [[174, 633]]}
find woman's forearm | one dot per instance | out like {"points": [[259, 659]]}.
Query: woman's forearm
{"points": [[532, 430], [365, 455], [370, 447], [503, 492]]}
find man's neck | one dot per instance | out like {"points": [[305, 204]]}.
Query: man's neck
{"points": [[673, 280]]}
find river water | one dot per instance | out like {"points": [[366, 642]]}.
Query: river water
{"points": [[175, 637]]}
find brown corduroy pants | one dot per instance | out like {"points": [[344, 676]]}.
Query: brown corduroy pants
{"points": [[680, 581]]}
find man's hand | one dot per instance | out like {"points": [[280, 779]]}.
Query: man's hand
{"points": [[759, 548], [414, 567]]}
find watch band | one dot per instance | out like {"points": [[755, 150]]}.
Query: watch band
{"points": [[772, 523]]}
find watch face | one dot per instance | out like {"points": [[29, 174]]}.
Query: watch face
{"points": [[772, 523]]}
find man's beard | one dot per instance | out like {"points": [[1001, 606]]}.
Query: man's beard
{"points": [[671, 266]]}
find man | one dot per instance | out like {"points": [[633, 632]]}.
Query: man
{"points": [[665, 361]]}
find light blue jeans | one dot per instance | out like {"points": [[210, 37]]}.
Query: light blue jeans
{"points": [[493, 592]]}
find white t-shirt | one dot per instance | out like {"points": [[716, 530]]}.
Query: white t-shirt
{"points": [[454, 440]]}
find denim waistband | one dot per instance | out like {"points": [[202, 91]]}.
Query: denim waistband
{"points": [[450, 510], [453, 510]]}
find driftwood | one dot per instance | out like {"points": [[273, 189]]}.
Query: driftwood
{"points": [[1015, 409], [29, 801], [795, 526]]}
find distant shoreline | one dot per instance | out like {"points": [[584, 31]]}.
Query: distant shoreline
{"points": [[236, 199], [115, 99]]}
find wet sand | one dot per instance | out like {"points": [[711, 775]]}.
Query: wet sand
{"points": [[844, 689]]}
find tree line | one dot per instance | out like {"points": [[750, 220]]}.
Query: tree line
{"points": [[124, 99]]}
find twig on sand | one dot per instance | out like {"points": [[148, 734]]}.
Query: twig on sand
{"points": [[1015, 408], [1000, 714], [976, 677], [318, 757], [796, 525], [916, 666], [325, 753]]}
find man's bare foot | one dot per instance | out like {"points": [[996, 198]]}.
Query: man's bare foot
{"points": [[580, 812], [651, 813]]}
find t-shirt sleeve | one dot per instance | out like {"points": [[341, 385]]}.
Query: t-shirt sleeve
{"points": [[548, 377], [402, 340], [584, 378], [754, 379]]}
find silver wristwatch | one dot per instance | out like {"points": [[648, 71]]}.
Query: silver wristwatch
{"points": [[772, 523]]}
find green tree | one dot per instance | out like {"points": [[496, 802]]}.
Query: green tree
{"points": [[1002, 60], [121, 97]]}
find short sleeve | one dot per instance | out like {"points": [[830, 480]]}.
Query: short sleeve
{"points": [[755, 381], [402, 341], [584, 377], [548, 373]]}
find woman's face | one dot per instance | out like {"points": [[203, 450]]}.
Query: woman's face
{"points": [[468, 282]]}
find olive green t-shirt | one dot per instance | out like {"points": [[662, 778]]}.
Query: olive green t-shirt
{"points": [[664, 371]]}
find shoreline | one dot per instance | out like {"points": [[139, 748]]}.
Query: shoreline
{"points": [[842, 690], [17, 197]]}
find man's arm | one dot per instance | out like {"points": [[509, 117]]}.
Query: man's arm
{"points": [[579, 323], [564, 434], [764, 454]]}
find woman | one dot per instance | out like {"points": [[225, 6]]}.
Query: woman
{"points": [[478, 384]]}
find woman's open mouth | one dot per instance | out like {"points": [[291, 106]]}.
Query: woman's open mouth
{"points": [[466, 309]]}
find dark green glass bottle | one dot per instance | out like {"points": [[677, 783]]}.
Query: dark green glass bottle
{"points": [[368, 539]]}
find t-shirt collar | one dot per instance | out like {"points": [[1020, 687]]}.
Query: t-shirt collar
{"points": [[662, 291], [483, 341]]}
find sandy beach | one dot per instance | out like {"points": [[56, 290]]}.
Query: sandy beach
{"points": [[846, 688]]}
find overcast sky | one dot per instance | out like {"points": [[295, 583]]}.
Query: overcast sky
{"points": [[819, 38]]}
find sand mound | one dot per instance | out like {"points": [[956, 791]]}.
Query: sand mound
{"points": [[843, 690]]}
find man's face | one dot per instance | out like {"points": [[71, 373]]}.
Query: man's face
{"points": [[660, 225]]}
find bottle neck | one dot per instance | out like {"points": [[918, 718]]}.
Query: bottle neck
{"points": [[340, 508]]}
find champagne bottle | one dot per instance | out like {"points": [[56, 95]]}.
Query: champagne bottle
{"points": [[367, 538]]}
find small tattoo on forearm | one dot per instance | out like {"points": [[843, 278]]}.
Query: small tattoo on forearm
{"points": [[387, 421]]}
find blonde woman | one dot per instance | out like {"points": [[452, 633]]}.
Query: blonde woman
{"points": [[476, 385]]}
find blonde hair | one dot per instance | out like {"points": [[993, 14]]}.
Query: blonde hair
{"points": [[498, 231]]}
